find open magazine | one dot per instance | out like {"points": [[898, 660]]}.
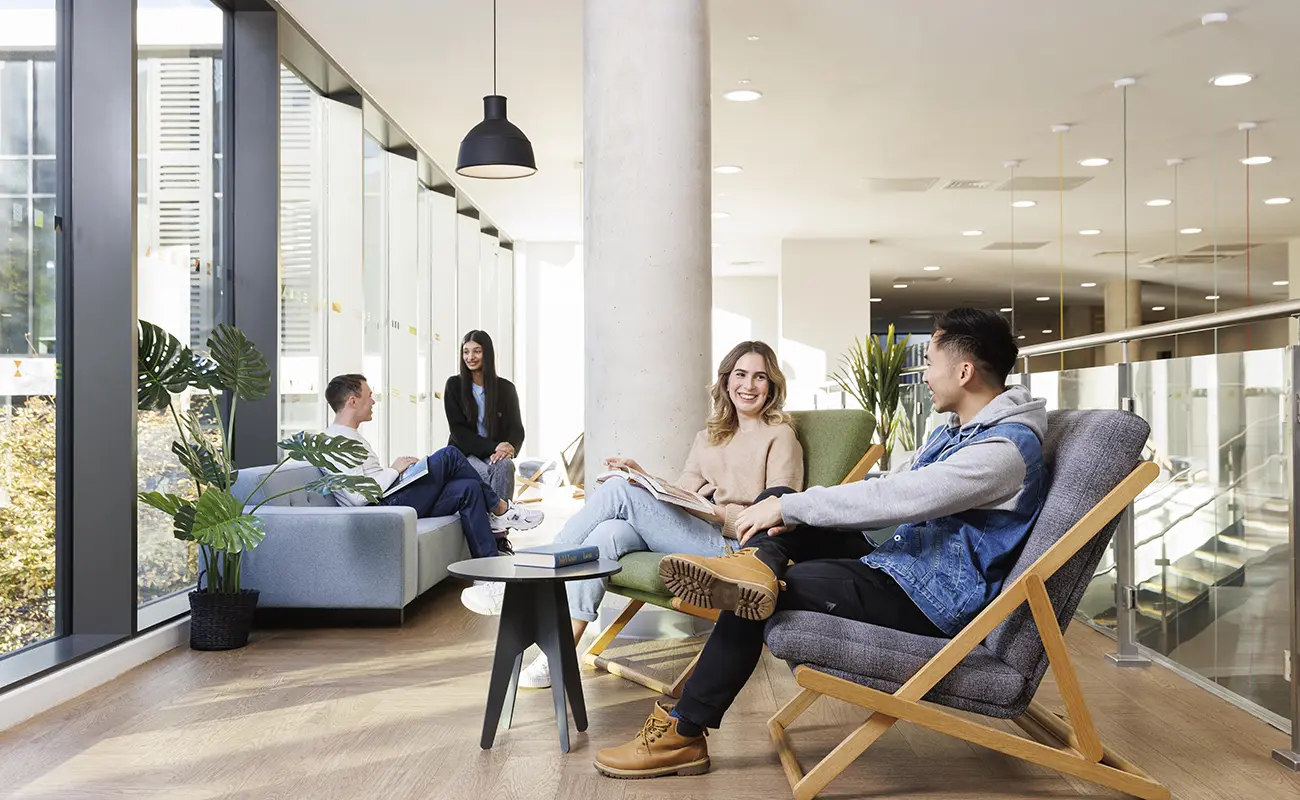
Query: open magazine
{"points": [[662, 489]]}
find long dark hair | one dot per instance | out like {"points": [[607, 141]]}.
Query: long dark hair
{"points": [[489, 383]]}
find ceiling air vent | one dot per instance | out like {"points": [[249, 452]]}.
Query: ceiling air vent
{"points": [[892, 185], [746, 263], [921, 280], [1226, 250], [1114, 253], [1182, 259], [1016, 245], [968, 184], [1029, 183]]}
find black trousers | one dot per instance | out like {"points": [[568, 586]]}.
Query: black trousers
{"points": [[827, 577]]}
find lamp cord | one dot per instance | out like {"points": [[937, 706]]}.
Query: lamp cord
{"points": [[494, 46]]}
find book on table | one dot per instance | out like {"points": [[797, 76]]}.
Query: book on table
{"points": [[662, 490], [554, 556]]}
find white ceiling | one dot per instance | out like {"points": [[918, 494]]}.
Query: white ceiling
{"points": [[887, 89]]}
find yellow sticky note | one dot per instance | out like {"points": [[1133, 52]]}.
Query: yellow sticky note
{"points": [[38, 219], [337, 308], [412, 330]]}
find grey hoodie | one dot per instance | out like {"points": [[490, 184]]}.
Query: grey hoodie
{"points": [[989, 473]]}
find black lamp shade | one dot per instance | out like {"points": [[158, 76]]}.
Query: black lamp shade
{"points": [[495, 148]]}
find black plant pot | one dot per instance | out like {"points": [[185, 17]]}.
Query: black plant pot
{"points": [[221, 621]]}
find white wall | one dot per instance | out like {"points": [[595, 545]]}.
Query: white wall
{"points": [[403, 308], [745, 308], [446, 339], [825, 303]]}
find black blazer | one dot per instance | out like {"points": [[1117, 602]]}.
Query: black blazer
{"points": [[464, 424]]}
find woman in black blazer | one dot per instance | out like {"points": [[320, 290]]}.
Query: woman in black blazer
{"points": [[483, 414]]}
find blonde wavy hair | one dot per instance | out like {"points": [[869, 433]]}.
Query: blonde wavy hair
{"points": [[724, 421]]}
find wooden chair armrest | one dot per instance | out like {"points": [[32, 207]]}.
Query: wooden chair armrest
{"points": [[874, 453]]}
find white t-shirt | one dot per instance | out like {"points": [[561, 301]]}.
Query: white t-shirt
{"points": [[370, 468]]}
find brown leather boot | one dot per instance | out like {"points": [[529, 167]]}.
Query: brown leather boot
{"points": [[656, 751], [737, 582]]}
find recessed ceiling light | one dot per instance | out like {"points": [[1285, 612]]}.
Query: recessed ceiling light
{"points": [[972, 233], [720, 215], [1021, 336], [875, 299], [1255, 161], [1023, 204], [1190, 231], [743, 95], [1006, 310], [1157, 308], [1089, 232], [1087, 285], [1160, 201], [1211, 297], [1042, 299], [900, 286], [1094, 162], [1277, 201], [1047, 330], [728, 169], [752, 38], [931, 268], [1232, 79], [1281, 283]]}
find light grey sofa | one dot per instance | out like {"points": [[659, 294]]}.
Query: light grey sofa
{"points": [[325, 564]]}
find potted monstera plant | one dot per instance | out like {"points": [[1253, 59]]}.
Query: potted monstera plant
{"points": [[872, 373], [222, 525]]}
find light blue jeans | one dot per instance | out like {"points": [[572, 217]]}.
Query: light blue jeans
{"points": [[620, 518]]}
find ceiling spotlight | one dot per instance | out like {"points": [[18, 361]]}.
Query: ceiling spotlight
{"points": [[728, 169], [1047, 330], [1042, 299], [1023, 204], [720, 215], [1006, 310], [1255, 161], [752, 38], [1190, 231], [900, 286], [1021, 336], [1277, 201], [1087, 285], [875, 299], [1157, 308], [1159, 201], [931, 269], [1094, 162], [743, 95], [1232, 79], [1211, 297], [1089, 232], [1214, 18], [972, 233], [1281, 283]]}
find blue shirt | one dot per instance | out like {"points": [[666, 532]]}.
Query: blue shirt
{"points": [[481, 400]]}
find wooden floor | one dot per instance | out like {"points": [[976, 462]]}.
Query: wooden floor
{"points": [[396, 713]]}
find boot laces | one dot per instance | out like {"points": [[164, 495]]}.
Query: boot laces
{"points": [[653, 729]]}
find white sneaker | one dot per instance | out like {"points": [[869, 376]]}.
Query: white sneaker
{"points": [[485, 599], [536, 675], [517, 518]]}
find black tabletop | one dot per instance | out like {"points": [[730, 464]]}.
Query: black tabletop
{"points": [[503, 568]]}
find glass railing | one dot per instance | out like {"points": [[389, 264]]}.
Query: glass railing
{"points": [[1199, 577]]}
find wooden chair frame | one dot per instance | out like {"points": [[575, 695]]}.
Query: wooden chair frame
{"points": [[593, 656], [1074, 749], [534, 481]]}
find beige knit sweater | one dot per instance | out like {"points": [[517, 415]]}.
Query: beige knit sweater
{"points": [[736, 472]]}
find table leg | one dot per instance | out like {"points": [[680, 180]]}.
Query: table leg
{"points": [[569, 659], [508, 712], [516, 631], [556, 638]]}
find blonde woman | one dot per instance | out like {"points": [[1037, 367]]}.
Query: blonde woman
{"points": [[747, 447]]}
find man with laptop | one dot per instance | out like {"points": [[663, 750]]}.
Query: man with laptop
{"points": [[437, 486]]}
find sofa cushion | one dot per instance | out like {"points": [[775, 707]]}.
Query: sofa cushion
{"points": [[440, 543], [833, 440], [641, 572]]}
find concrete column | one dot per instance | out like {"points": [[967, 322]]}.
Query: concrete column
{"points": [[1078, 322], [825, 303], [1123, 310], [647, 275]]}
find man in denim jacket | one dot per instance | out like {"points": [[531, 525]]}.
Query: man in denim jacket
{"points": [[961, 509]]}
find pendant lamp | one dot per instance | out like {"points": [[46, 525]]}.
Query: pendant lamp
{"points": [[495, 148]]}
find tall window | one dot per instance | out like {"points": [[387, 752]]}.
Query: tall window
{"points": [[302, 272], [373, 283], [28, 346], [179, 217]]}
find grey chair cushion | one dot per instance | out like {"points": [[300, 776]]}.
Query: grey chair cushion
{"points": [[291, 476], [1089, 453]]}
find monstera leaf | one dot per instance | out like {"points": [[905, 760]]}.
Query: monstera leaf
{"points": [[219, 523], [330, 453], [332, 482], [241, 369], [165, 367], [178, 508]]}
